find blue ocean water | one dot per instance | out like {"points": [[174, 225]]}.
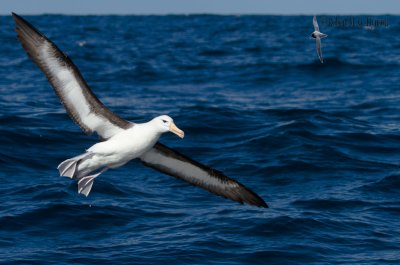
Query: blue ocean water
{"points": [[319, 142]]}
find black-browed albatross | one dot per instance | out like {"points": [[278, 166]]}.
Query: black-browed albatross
{"points": [[122, 140]]}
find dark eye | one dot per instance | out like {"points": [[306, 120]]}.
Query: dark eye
{"points": [[164, 121]]}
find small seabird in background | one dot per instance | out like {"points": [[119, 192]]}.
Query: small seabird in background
{"points": [[317, 35]]}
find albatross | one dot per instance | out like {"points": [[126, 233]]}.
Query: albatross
{"points": [[122, 140]]}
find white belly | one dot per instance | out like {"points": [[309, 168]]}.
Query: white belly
{"points": [[121, 148]]}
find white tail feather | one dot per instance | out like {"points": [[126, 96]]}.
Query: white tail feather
{"points": [[69, 167]]}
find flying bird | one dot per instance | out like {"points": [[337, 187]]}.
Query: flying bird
{"points": [[317, 35], [122, 140]]}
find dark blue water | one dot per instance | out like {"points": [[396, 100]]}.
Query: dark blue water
{"points": [[320, 143]]}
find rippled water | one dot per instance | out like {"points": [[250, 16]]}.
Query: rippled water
{"points": [[320, 143]]}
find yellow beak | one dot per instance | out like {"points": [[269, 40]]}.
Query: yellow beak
{"points": [[176, 130]]}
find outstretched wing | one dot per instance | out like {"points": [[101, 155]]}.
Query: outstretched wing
{"points": [[82, 105], [316, 27], [170, 162], [319, 50]]}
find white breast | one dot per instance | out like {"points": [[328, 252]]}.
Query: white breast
{"points": [[128, 144]]}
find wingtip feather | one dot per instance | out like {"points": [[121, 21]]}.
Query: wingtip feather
{"points": [[251, 198]]}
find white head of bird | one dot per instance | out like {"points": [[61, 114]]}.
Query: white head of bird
{"points": [[166, 124]]}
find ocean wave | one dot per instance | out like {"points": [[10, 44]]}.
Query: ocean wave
{"points": [[389, 184], [332, 204]]}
